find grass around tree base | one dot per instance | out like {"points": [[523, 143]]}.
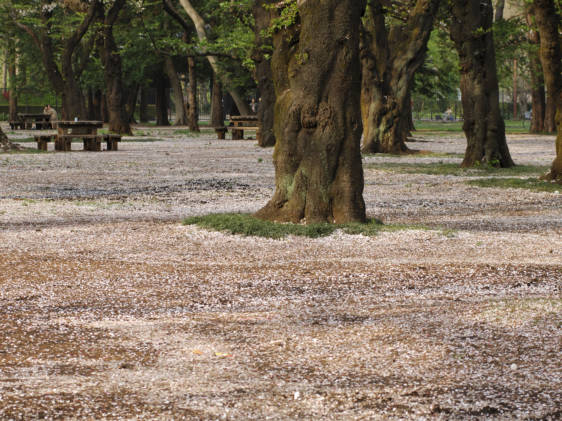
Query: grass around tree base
{"points": [[247, 225], [517, 183]]}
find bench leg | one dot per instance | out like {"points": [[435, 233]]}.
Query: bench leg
{"points": [[42, 145], [237, 134]]}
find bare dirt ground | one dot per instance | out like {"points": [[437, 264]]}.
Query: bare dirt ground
{"points": [[111, 309]]}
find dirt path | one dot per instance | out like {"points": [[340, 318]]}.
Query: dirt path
{"points": [[111, 309]]}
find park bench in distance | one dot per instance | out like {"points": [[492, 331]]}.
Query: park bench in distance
{"points": [[239, 123]]}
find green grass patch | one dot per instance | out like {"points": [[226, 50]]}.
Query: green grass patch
{"points": [[441, 168], [247, 225], [511, 126], [144, 139], [517, 183], [419, 154]]}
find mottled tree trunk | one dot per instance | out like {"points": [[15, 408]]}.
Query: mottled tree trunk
{"points": [[548, 23], [192, 109], [318, 173], [217, 110], [470, 30], [262, 17], [390, 59], [131, 102], [12, 92], [177, 92], [161, 101]]}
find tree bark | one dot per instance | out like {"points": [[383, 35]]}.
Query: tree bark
{"points": [[161, 101], [131, 102], [500, 5], [217, 110], [143, 111], [390, 59], [12, 91], [538, 98], [318, 172], [264, 77], [192, 109], [470, 30], [548, 23], [201, 33], [177, 92], [5, 144]]}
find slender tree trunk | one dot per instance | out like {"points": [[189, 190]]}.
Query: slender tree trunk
{"points": [[548, 23], [390, 59], [97, 105], [538, 98], [500, 5], [201, 33], [131, 102], [104, 109], [143, 112], [12, 92], [318, 172], [262, 17], [217, 110], [483, 126], [90, 99], [177, 92], [192, 109], [161, 101]]}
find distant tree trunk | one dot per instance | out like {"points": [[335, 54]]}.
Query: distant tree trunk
{"points": [[104, 109], [201, 33], [390, 59], [161, 101], [217, 110], [500, 5], [548, 23], [262, 17], [470, 30], [177, 92], [318, 172], [5, 144], [538, 98], [97, 105], [12, 92], [143, 105], [90, 104], [131, 102], [192, 109]]}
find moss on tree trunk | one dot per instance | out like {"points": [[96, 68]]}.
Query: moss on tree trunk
{"points": [[318, 173]]}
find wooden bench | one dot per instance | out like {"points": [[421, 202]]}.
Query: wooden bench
{"points": [[239, 123], [42, 141], [112, 141], [221, 132], [92, 142]]}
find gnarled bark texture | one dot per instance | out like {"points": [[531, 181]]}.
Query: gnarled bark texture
{"points": [[318, 173], [548, 23], [264, 77], [390, 58], [177, 92], [470, 30]]}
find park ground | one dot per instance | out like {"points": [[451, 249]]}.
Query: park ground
{"points": [[111, 308]]}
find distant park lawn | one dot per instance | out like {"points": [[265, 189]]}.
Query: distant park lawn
{"points": [[511, 126]]}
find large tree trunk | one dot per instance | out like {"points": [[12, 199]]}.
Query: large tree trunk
{"points": [[161, 101], [548, 22], [262, 17], [177, 92], [118, 118], [390, 59], [201, 33], [470, 30], [318, 173], [217, 110]]}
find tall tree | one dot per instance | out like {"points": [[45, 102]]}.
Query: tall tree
{"points": [[316, 67], [470, 30], [549, 25], [199, 23], [41, 23], [393, 48], [538, 97], [111, 59]]}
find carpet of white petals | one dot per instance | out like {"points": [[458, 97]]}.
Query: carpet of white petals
{"points": [[110, 308]]}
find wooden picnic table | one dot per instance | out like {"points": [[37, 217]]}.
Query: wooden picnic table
{"points": [[81, 129], [239, 123], [27, 120]]}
